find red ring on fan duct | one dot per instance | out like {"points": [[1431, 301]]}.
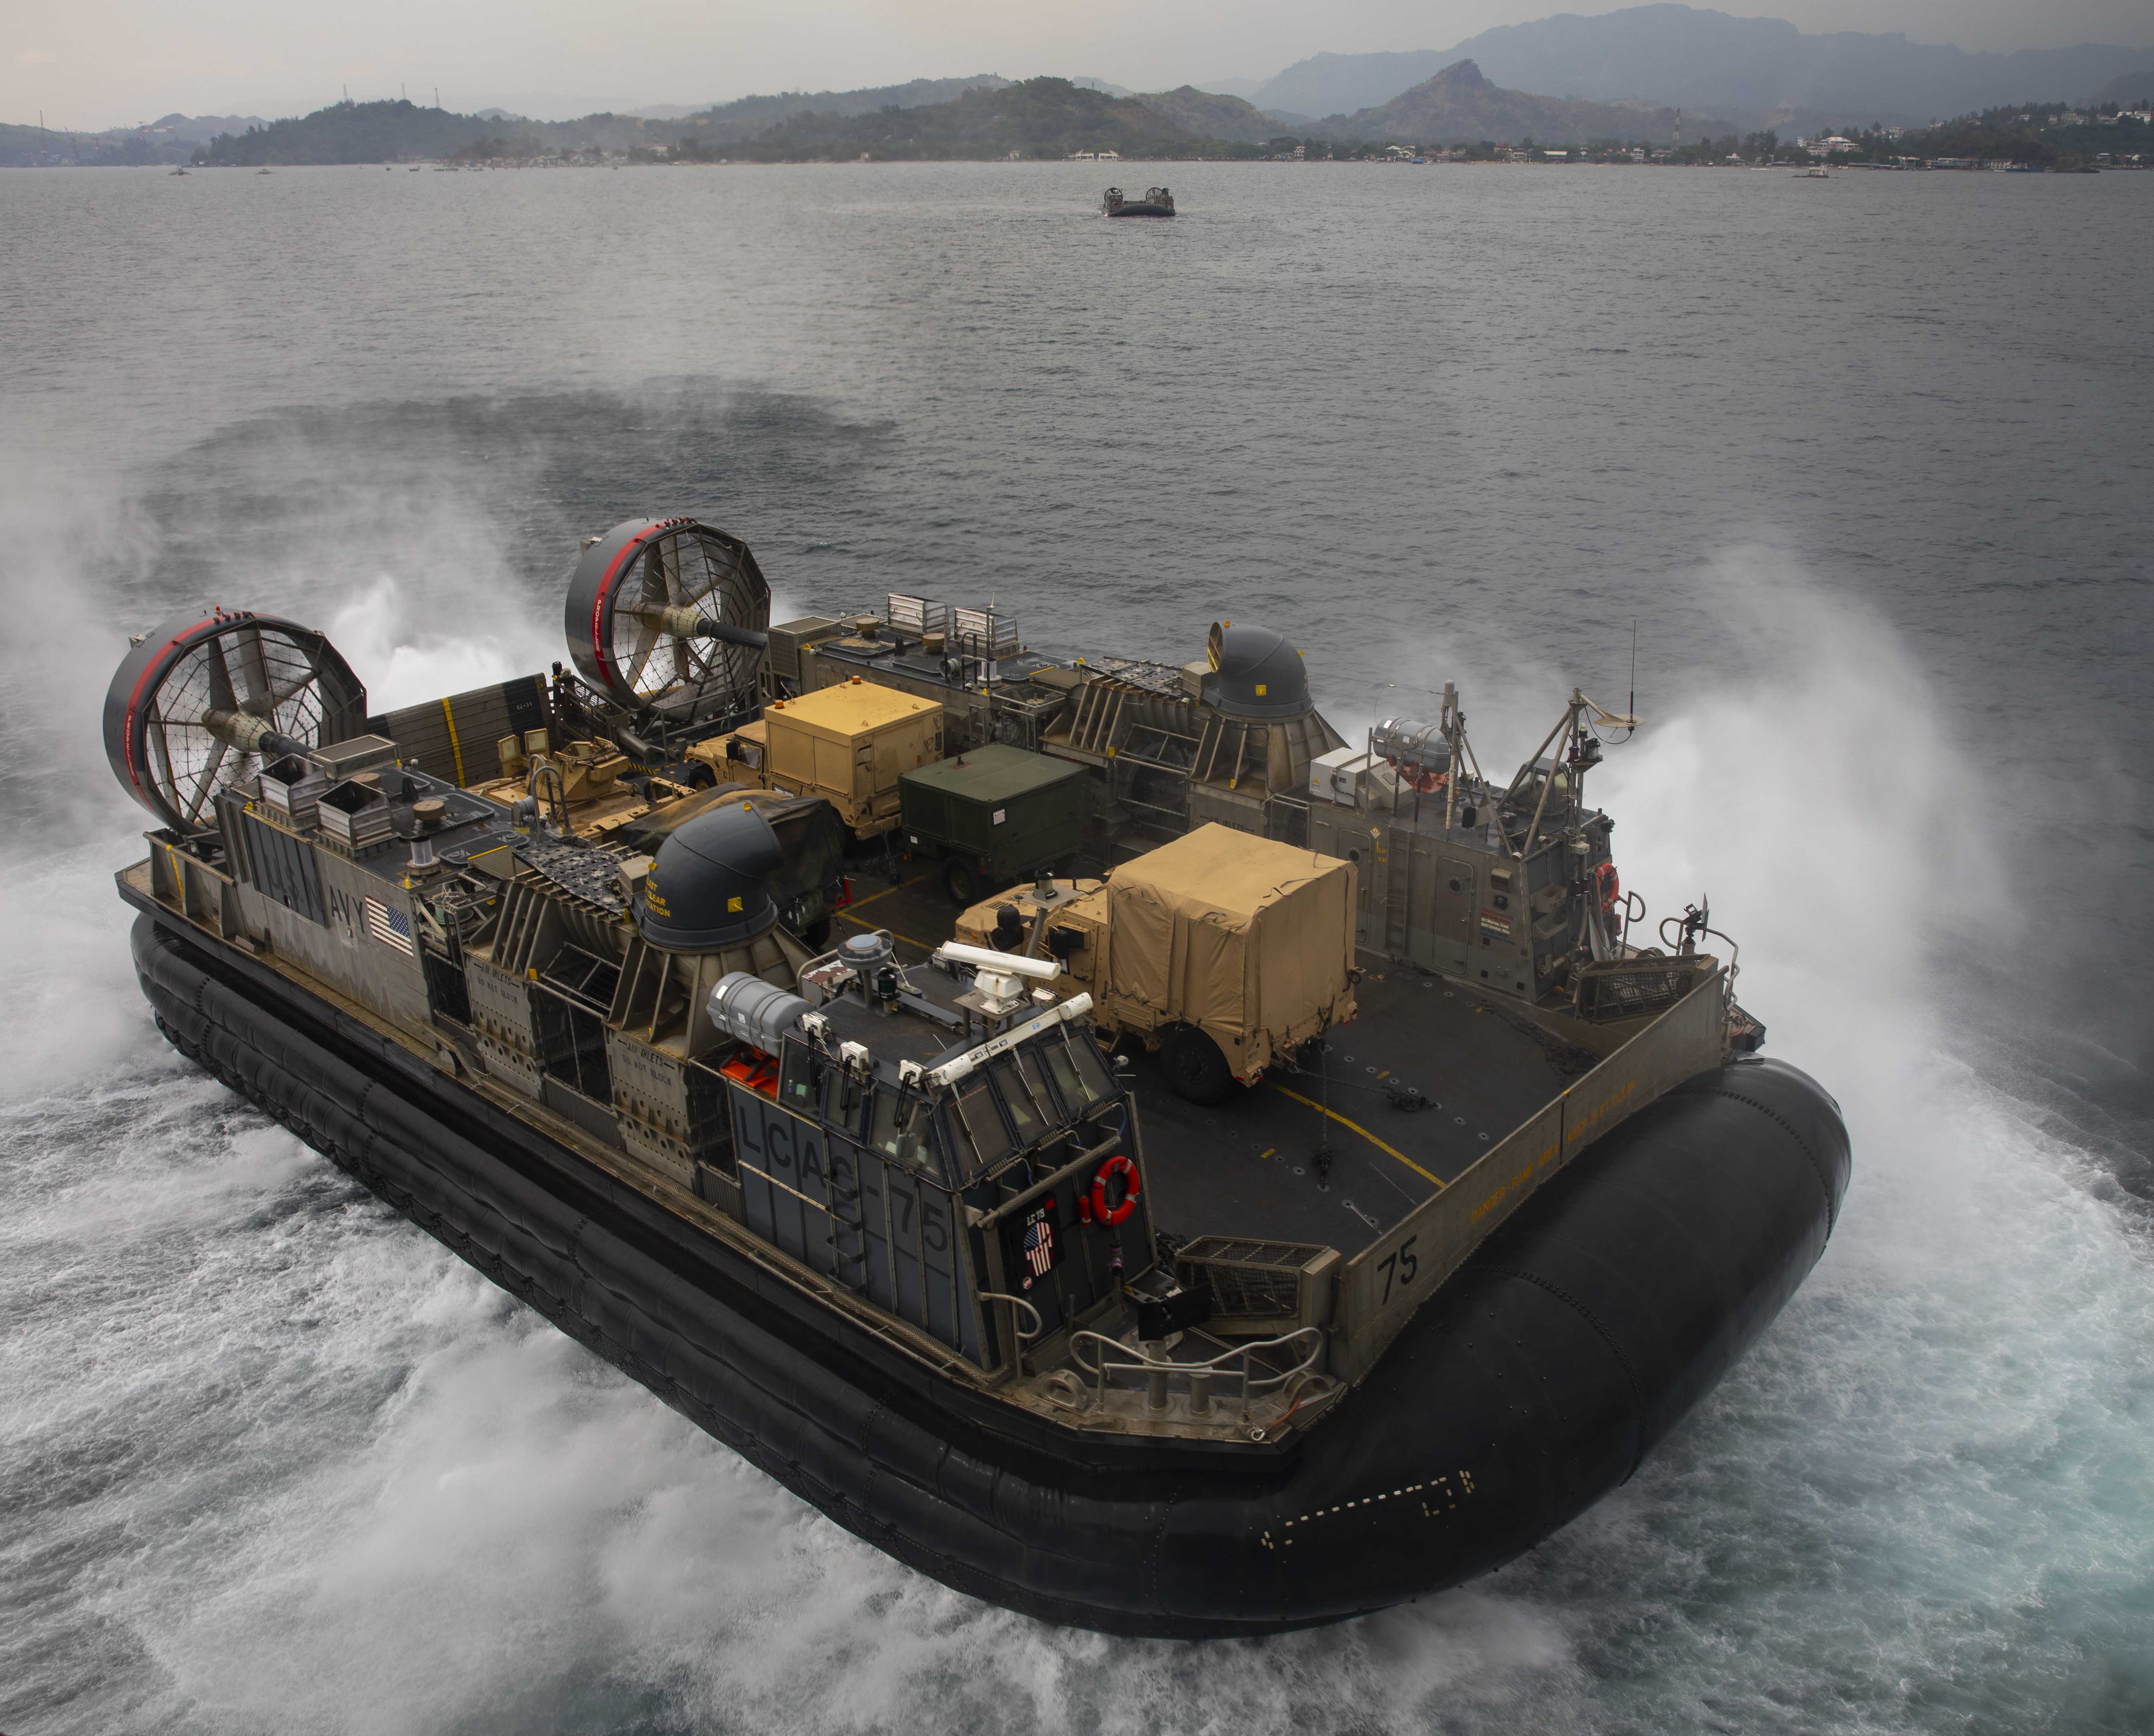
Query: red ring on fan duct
{"points": [[613, 573]]}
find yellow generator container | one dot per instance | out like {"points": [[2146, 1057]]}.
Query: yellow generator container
{"points": [[849, 744]]}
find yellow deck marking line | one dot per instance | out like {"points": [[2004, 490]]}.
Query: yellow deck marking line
{"points": [[886, 893], [456, 747], [1362, 1130], [846, 915]]}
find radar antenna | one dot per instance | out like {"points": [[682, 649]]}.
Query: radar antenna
{"points": [[671, 616], [1626, 720], [1577, 732], [198, 705]]}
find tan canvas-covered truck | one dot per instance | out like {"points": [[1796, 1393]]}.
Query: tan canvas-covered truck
{"points": [[1224, 952], [848, 744]]}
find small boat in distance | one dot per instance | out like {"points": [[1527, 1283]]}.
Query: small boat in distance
{"points": [[1814, 173], [1157, 203]]}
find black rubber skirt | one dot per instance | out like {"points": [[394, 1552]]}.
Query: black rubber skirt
{"points": [[1533, 1383]]}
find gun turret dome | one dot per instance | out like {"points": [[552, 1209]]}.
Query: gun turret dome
{"points": [[1259, 674], [709, 886]]}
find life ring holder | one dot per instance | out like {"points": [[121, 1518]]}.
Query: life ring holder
{"points": [[1132, 1186], [1608, 885]]}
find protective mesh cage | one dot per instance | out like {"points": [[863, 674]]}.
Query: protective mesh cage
{"points": [[1633, 987], [1251, 1280]]}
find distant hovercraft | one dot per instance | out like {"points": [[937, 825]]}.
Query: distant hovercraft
{"points": [[1157, 203]]}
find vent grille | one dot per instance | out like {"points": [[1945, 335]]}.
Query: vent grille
{"points": [[982, 633], [916, 616]]}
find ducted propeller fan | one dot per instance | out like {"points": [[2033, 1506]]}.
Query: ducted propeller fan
{"points": [[201, 703], [669, 615]]}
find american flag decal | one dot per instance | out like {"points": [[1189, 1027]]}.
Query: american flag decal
{"points": [[389, 925], [1042, 1252]]}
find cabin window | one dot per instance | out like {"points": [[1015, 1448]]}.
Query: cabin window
{"points": [[1062, 1063], [883, 1129], [799, 1083], [981, 1122], [903, 1125], [939, 1147], [1099, 1083], [1024, 1113], [1055, 1107], [844, 1099]]}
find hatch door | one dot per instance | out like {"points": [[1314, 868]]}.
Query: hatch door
{"points": [[1454, 912]]}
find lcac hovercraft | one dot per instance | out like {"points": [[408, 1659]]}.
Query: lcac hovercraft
{"points": [[891, 1218]]}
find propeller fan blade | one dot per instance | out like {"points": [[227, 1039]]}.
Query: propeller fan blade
{"points": [[206, 781], [220, 696], [259, 697], [164, 754], [650, 580], [298, 683], [646, 640]]}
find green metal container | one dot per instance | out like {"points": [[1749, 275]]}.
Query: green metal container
{"points": [[994, 815]]}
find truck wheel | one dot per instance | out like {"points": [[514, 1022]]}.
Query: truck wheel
{"points": [[1194, 1067], [960, 879]]}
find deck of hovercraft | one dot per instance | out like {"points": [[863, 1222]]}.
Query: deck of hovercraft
{"points": [[1248, 1167]]}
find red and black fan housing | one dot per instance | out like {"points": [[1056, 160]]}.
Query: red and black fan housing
{"points": [[669, 615], [199, 702]]}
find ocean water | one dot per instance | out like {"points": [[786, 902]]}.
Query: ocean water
{"points": [[1867, 463]]}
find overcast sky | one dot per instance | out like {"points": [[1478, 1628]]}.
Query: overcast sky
{"points": [[94, 64]]}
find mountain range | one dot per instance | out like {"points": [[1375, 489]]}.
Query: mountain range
{"points": [[2131, 89], [1035, 118], [727, 122], [1750, 70], [1621, 74], [1458, 106]]}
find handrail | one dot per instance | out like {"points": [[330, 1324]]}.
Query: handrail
{"points": [[994, 1215], [533, 785], [1039, 1325], [1114, 1354]]}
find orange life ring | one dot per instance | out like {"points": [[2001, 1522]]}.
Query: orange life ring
{"points": [[1117, 1165], [1610, 886]]}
